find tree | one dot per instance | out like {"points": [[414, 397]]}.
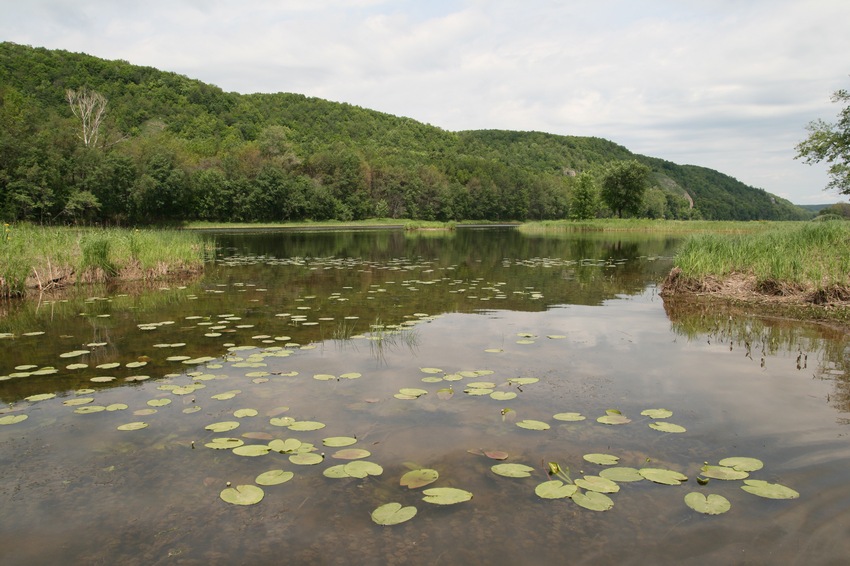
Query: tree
{"points": [[584, 198], [623, 186], [90, 107], [831, 143]]}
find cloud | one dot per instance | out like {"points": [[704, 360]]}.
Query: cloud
{"points": [[719, 83]]}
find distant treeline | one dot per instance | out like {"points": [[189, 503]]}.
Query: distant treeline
{"points": [[168, 149]]}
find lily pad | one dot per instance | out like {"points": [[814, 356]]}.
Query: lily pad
{"points": [[723, 473], [503, 395], [222, 426], [431, 370], [667, 427], [304, 426], [351, 454], [569, 417], [392, 514], [40, 397], [274, 477], [657, 413], [621, 474], [138, 425], [663, 476], [523, 380], [555, 489], [419, 478], [74, 353], [597, 483], [412, 391], [533, 425], [251, 450], [446, 495], [362, 468], [769, 490], [712, 505], [593, 500], [242, 413], [288, 446], [512, 470], [614, 419], [85, 410], [12, 419], [242, 495], [742, 464], [281, 421], [339, 441], [602, 459], [306, 459], [336, 472], [324, 377], [159, 402], [224, 443]]}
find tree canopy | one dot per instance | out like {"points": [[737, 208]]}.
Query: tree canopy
{"points": [[623, 186], [831, 143]]}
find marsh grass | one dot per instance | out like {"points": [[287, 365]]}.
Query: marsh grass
{"points": [[647, 225], [812, 255], [47, 257]]}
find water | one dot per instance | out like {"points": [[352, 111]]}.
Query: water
{"points": [[580, 313]]}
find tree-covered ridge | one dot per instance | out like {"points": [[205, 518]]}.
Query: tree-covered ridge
{"points": [[173, 149]]}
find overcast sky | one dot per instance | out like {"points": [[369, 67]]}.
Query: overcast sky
{"points": [[726, 84]]}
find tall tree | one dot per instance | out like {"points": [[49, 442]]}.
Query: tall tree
{"points": [[584, 198], [90, 108], [623, 186], [831, 143]]}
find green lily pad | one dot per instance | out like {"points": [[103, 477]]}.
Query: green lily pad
{"points": [[159, 402], [288, 446], [281, 421], [12, 419], [362, 468], [226, 395], [85, 410], [419, 478], [503, 395], [242, 495], [712, 505], [133, 426], [116, 407], [222, 426], [445, 393], [412, 391], [532, 425], [324, 377], [663, 476], [478, 391], [569, 417], [304, 426], [336, 472], [742, 464], [242, 413], [723, 473], [769, 490], [555, 489], [512, 470], [306, 459], [602, 459], [251, 450], [621, 474], [593, 500], [224, 443], [657, 413], [74, 353], [274, 477], [392, 514], [446, 495], [614, 419], [351, 454], [351, 375], [431, 370], [40, 397], [597, 483], [339, 441], [523, 380], [667, 427]]}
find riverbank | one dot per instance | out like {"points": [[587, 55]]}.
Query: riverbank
{"points": [[799, 270], [37, 258]]}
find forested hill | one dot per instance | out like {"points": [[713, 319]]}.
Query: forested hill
{"points": [[169, 149]]}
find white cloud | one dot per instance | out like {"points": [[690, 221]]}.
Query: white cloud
{"points": [[720, 83]]}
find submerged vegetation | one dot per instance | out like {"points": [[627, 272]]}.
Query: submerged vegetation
{"points": [[44, 258]]}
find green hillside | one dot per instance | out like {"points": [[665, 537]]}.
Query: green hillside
{"points": [[172, 149]]}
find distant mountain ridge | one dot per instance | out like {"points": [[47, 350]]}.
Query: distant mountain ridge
{"points": [[174, 148]]}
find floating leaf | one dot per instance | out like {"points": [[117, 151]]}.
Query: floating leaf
{"points": [[478, 392], [533, 425], [324, 377], [133, 426], [555, 489], [597, 483], [242, 495], [512, 470], [222, 426], [351, 375], [712, 505], [742, 464], [662, 476], [242, 413], [496, 454], [667, 427], [251, 450], [503, 395], [274, 477], [412, 391], [78, 401], [339, 441], [602, 459], [12, 419], [288, 446], [281, 421], [336, 472], [431, 370], [159, 402], [419, 478], [569, 417], [40, 397], [89, 409], [723, 473], [769, 490], [118, 407], [593, 500], [224, 443], [392, 514], [446, 495], [74, 354], [523, 380], [657, 413], [351, 454], [445, 393], [226, 395], [306, 459], [362, 468], [621, 474], [614, 419], [303, 426]]}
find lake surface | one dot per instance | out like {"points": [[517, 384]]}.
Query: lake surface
{"points": [[329, 327]]}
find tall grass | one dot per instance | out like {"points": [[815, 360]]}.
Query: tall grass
{"points": [[37, 256], [815, 254], [647, 225]]}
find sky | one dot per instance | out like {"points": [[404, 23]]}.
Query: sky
{"points": [[725, 84]]}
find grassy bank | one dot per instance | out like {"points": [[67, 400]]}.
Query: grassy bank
{"points": [[36, 257], [809, 261], [647, 225], [376, 223]]}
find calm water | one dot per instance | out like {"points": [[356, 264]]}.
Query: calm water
{"points": [[580, 313]]}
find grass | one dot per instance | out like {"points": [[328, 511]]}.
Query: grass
{"points": [[647, 225], [326, 225], [47, 257], [807, 255]]}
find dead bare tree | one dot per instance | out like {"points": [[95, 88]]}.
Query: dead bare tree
{"points": [[90, 107]]}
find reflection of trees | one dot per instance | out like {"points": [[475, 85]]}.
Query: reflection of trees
{"points": [[822, 349]]}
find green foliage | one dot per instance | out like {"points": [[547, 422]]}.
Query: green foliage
{"points": [[831, 143], [623, 186], [172, 149]]}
